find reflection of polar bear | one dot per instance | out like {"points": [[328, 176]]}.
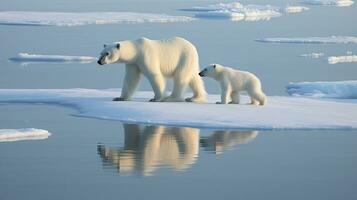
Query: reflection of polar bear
{"points": [[153, 146], [233, 82], [223, 140], [157, 59]]}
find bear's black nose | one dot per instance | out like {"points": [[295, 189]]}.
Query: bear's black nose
{"points": [[200, 74], [99, 62]]}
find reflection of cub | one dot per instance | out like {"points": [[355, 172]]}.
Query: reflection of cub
{"points": [[223, 140], [145, 150]]}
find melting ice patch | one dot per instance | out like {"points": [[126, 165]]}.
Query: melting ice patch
{"points": [[342, 59], [322, 114], [26, 58], [236, 11], [295, 9], [85, 18], [315, 55], [10, 135], [312, 40], [337, 89], [339, 3]]}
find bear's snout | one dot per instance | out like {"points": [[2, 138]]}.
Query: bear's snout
{"points": [[201, 74], [100, 63]]}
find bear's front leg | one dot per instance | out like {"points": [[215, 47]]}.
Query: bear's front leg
{"points": [[158, 85], [226, 91], [131, 80]]}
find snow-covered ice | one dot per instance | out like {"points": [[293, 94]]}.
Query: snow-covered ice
{"points": [[295, 9], [315, 55], [10, 135], [342, 59], [313, 40], [279, 113], [83, 18], [339, 3], [31, 58], [333, 89], [236, 11]]}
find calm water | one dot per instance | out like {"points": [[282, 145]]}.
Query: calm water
{"points": [[98, 159]]}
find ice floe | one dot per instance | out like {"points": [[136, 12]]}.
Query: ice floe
{"points": [[83, 18], [295, 9], [342, 59], [312, 40], [26, 58], [281, 112], [315, 55], [339, 3], [236, 11], [333, 89], [10, 135]]}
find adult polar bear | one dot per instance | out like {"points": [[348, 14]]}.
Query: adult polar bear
{"points": [[157, 60]]}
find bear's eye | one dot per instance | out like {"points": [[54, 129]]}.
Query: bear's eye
{"points": [[107, 54]]}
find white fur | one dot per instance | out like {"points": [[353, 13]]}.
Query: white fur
{"points": [[157, 60], [233, 82]]}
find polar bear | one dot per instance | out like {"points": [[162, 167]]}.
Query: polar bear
{"points": [[157, 60], [233, 82]]}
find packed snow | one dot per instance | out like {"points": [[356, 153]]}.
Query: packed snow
{"points": [[236, 11], [31, 58], [339, 3], [295, 9], [83, 18], [279, 113], [315, 55], [342, 59], [334, 89], [312, 40], [10, 135]]}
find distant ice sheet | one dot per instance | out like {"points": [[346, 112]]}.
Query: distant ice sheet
{"points": [[340, 3], [84, 18], [337, 89], [279, 113], [315, 55], [236, 11], [10, 135], [313, 40], [295, 9], [31, 58], [342, 59]]}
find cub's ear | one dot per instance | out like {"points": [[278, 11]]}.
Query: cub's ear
{"points": [[118, 46], [104, 45]]}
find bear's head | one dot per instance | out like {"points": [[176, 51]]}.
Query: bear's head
{"points": [[110, 54], [209, 71]]}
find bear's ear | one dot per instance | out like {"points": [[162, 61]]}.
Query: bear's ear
{"points": [[118, 46], [104, 45]]}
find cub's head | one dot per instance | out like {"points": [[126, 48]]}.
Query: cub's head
{"points": [[110, 54], [209, 71]]}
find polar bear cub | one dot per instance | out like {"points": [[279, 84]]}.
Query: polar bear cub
{"points": [[233, 82], [157, 60]]}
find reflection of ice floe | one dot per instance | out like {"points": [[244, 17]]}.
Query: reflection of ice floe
{"points": [[295, 9], [313, 55], [337, 89], [149, 148], [9, 135], [97, 103], [236, 11], [342, 59], [32, 58], [85, 18], [220, 141], [312, 40], [340, 3]]}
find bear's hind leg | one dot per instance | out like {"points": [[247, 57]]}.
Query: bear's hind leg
{"points": [[258, 97], [158, 85], [198, 89]]}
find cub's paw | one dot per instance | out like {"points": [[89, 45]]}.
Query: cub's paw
{"points": [[119, 99], [196, 99]]}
